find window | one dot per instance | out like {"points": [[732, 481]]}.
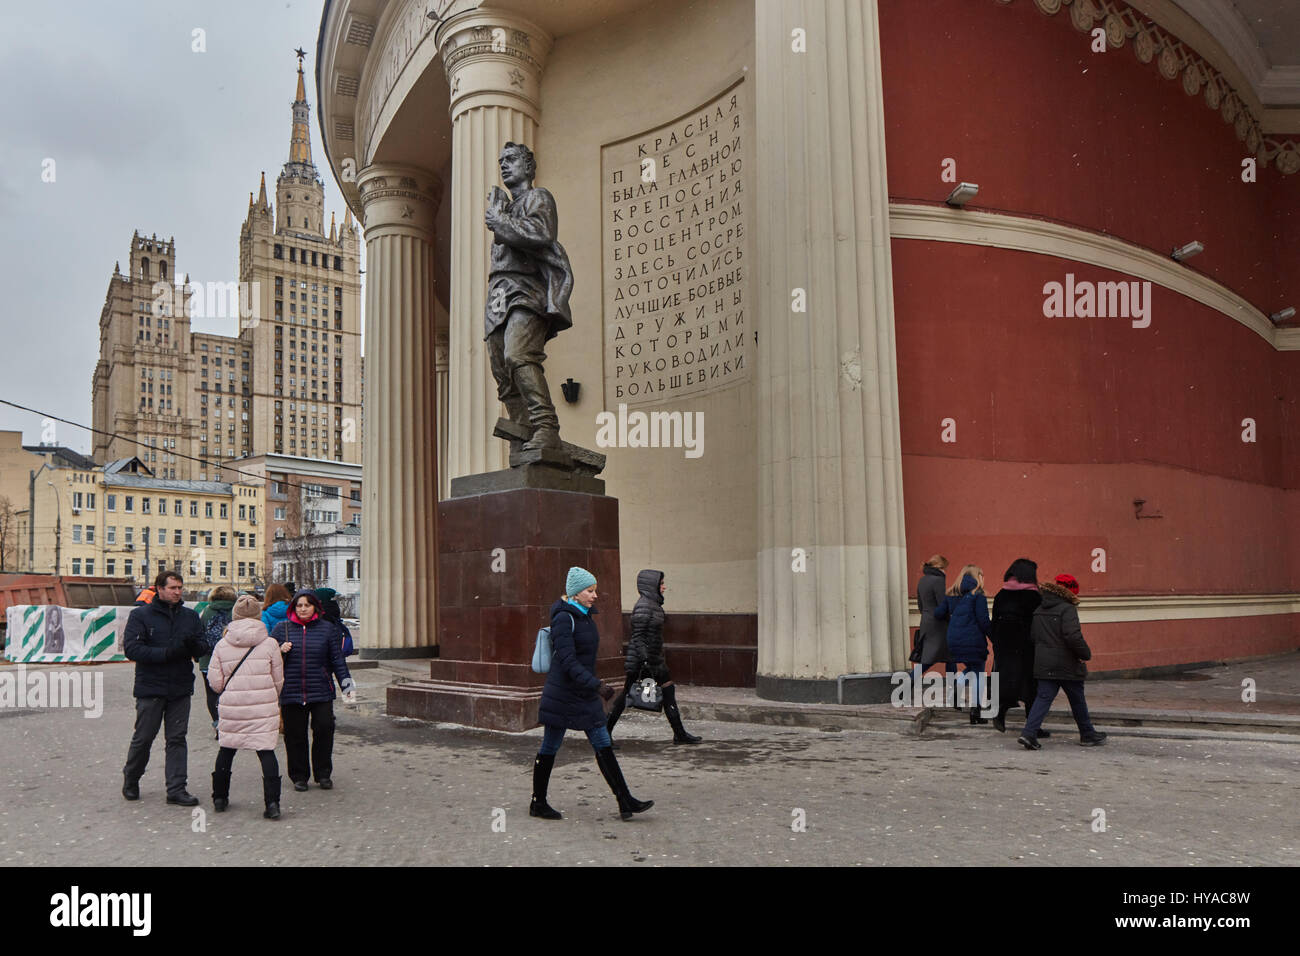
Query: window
{"points": [[76, 565], [225, 510], [221, 542], [129, 502], [207, 539], [90, 501], [252, 513], [207, 570], [110, 567], [130, 535], [144, 506], [279, 514], [207, 509], [176, 537], [90, 534], [194, 538], [162, 535], [76, 534], [110, 502], [176, 507], [110, 535], [90, 567], [222, 571], [162, 506], [194, 508], [128, 567], [243, 512], [241, 569], [252, 541], [76, 499], [353, 569]]}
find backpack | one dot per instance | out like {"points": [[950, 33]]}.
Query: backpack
{"points": [[543, 649], [348, 649]]}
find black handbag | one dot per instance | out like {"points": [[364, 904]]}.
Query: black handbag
{"points": [[645, 693], [915, 656]]}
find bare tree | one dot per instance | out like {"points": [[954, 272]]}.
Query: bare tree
{"points": [[8, 534]]}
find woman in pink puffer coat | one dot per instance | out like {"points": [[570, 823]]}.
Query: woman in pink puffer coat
{"points": [[248, 671]]}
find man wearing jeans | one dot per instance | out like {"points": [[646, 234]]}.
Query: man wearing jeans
{"points": [[163, 638], [1059, 655]]}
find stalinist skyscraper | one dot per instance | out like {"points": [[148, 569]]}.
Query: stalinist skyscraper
{"points": [[289, 382]]}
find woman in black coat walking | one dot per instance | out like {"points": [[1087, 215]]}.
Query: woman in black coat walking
{"points": [[571, 697], [1013, 648], [645, 653], [932, 635]]}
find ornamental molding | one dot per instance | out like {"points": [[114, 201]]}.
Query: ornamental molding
{"points": [[1175, 60], [1043, 237], [1125, 608]]}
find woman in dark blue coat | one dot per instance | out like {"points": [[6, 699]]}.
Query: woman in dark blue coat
{"points": [[313, 649], [966, 609], [571, 698]]}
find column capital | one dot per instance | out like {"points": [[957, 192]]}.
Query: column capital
{"points": [[493, 58], [399, 199]]}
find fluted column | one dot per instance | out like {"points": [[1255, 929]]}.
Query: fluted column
{"points": [[494, 62], [399, 543], [830, 478], [440, 380]]}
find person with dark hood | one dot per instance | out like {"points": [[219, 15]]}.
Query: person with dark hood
{"points": [[932, 635], [163, 637], [571, 697], [214, 618], [645, 655], [1013, 648], [334, 614], [1059, 655], [966, 608], [313, 650]]}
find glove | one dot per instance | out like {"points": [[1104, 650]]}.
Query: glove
{"points": [[349, 686], [606, 692]]}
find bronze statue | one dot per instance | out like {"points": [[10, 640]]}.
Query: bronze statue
{"points": [[529, 282]]}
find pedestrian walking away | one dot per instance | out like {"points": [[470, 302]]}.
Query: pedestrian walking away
{"points": [[214, 619], [1059, 655], [932, 635], [571, 697], [645, 655], [164, 638], [247, 671], [966, 609], [313, 649], [1013, 647], [275, 606]]}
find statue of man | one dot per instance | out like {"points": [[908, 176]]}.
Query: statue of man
{"points": [[529, 282]]}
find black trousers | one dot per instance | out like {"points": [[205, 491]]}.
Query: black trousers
{"points": [[150, 714], [226, 759], [213, 698], [296, 716]]}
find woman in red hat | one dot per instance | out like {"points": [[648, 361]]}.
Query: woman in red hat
{"points": [[1059, 655]]}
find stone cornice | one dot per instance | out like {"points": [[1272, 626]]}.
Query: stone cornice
{"points": [[1142, 24], [942, 224]]}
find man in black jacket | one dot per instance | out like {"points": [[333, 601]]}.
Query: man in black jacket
{"points": [[163, 638]]}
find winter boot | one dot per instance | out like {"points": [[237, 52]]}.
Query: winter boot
{"points": [[680, 736], [1093, 739], [538, 807], [627, 804], [271, 794], [220, 789], [975, 717]]}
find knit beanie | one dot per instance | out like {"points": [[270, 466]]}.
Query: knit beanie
{"points": [[1068, 582], [247, 606], [579, 580]]}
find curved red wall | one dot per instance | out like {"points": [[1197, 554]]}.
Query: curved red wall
{"points": [[1062, 422]]}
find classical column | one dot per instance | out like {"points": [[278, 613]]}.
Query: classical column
{"points": [[832, 578], [494, 61], [399, 543], [440, 387]]}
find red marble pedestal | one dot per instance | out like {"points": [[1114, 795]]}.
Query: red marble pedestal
{"points": [[502, 561]]}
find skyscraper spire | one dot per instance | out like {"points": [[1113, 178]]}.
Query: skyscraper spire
{"points": [[300, 137], [261, 192]]}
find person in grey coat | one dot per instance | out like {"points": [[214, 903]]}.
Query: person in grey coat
{"points": [[1059, 655], [645, 653], [932, 635]]}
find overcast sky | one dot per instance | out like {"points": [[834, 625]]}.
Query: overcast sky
{"points": [[145, 134]]}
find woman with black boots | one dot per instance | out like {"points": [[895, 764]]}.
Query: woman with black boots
{"points": [[571, 698], [645, 653]]}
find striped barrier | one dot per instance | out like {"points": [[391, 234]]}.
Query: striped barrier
{"points": [[50, 634]]}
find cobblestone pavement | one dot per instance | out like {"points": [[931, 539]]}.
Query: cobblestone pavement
{"points": [[414, 793]]}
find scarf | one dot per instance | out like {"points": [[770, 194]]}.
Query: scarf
{"points": [[1011, 584]]}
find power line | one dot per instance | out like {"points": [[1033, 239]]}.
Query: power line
{"points": [[202, 461]]}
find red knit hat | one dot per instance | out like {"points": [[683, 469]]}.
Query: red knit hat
{"points": [[1068, 582]]}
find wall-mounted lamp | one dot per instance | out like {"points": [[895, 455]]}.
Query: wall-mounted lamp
{"points": [[570, 389], [1187, 251], [963, 194], [1287, 313]]}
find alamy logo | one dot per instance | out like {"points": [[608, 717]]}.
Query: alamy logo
{"points": [[75, 909], [208, 300], [946, 690], [42, 688], [653, 430], [1099, 300]]}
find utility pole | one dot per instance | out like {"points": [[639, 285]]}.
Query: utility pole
{"points": [[58, 526], [146, 557]]}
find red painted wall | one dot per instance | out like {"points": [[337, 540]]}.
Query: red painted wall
{"points": [[1049, 128]]}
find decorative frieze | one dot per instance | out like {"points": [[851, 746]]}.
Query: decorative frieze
{"points": [[1175, 60]]}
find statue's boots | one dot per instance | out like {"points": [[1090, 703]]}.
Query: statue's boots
{"points": [[531, 383], [517, 409]]}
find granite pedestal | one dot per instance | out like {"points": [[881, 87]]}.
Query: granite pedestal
{"points": [[502, 561]]}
